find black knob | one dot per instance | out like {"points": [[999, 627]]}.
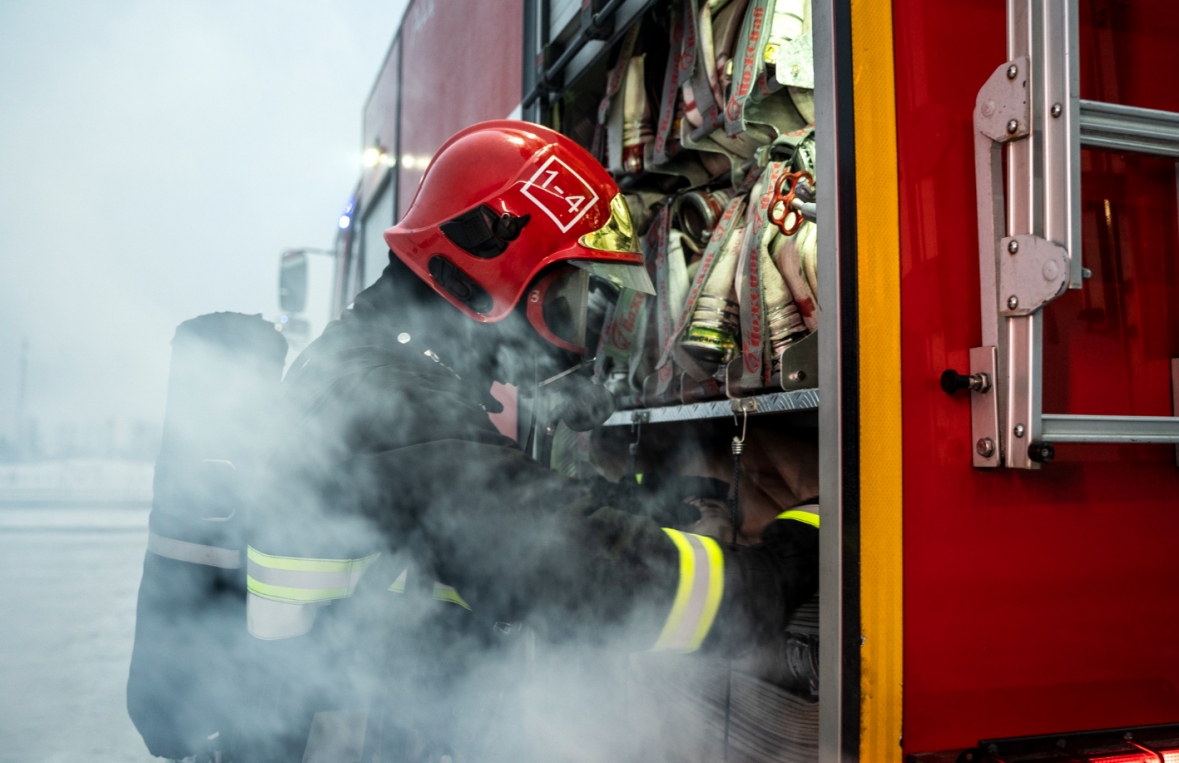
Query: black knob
{"points": [[1042, 452], [952, 381]]}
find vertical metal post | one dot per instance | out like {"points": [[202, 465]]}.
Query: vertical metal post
{"points": [[1019, 360], [839, 618], [1060, 109], [532, 45]]}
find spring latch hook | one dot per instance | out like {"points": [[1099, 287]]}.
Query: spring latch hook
{"points": [[736, 516]]}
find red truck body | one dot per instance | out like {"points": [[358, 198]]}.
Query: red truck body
{"points": [[1031, 601], [1042, 601]]}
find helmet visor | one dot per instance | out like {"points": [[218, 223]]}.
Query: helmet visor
{"points": [[617, 235], [557, 306], [622, 275]]}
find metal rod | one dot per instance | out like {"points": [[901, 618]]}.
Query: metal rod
{"points": [[574, 48], [1113, 127], [1058, 427]]}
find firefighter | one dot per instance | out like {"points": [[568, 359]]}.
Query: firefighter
{"points": [[389, 484]]}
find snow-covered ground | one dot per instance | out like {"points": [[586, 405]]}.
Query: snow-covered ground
{"points": [[70, 577]]}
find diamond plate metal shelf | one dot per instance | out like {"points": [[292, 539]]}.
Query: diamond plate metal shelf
{"points": [[773, 402]]}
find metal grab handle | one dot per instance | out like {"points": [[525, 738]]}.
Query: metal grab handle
{"points": [[779, 215]]}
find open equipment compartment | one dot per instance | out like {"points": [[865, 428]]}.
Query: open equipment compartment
{"points": [[704, 112]]}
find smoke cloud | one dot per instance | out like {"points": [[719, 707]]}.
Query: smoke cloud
{"points": [[157, 157]]}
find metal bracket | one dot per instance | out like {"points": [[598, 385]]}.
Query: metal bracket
{"points": [[1002, 111], [984, 411], [1032, 273], [744, 404]]}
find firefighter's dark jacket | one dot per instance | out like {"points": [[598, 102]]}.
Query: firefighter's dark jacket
{"points": [[385, 449]]}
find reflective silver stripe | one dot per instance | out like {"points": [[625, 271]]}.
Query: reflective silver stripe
{"points": [[698, 595], [270, 620], [318, 580], [195, 553], [336, 736]]}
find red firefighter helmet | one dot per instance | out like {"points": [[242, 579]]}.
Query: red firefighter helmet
{"points": [[504, 200]]}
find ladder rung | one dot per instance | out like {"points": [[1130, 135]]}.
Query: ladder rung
{"points": [[1058, 427], [1113, 127]]}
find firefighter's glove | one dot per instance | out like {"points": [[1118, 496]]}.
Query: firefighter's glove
{"points": [[668, 501], [766, 583]]}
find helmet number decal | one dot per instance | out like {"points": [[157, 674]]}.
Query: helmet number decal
{"points": [[560, 193]]}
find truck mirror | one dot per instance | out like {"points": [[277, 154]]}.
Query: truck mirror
{"points": [[292, 282]]}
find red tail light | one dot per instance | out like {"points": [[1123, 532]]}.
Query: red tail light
{"points": [[1168, 756]]}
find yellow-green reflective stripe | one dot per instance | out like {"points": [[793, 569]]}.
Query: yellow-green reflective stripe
{"points": [[300, 595], [399, 584], [683, 590], [798, 515], [447, 593], [305, 565], [698, 595], [295, 579]]}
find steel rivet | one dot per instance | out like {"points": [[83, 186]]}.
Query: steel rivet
{"points": [[985, 447], [1012, 71], [403, 338], [1086, 273], [1013, 246], [1056, 110], [1012, 302], [1012, 126], [1019, 430], [796, 376]]}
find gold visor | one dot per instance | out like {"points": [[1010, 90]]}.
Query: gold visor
{"points": [[617, 235]]}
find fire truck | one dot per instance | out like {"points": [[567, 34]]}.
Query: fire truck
{"points": [[979, 201]]}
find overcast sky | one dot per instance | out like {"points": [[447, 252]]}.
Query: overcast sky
{"points": [[155, 158]]}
